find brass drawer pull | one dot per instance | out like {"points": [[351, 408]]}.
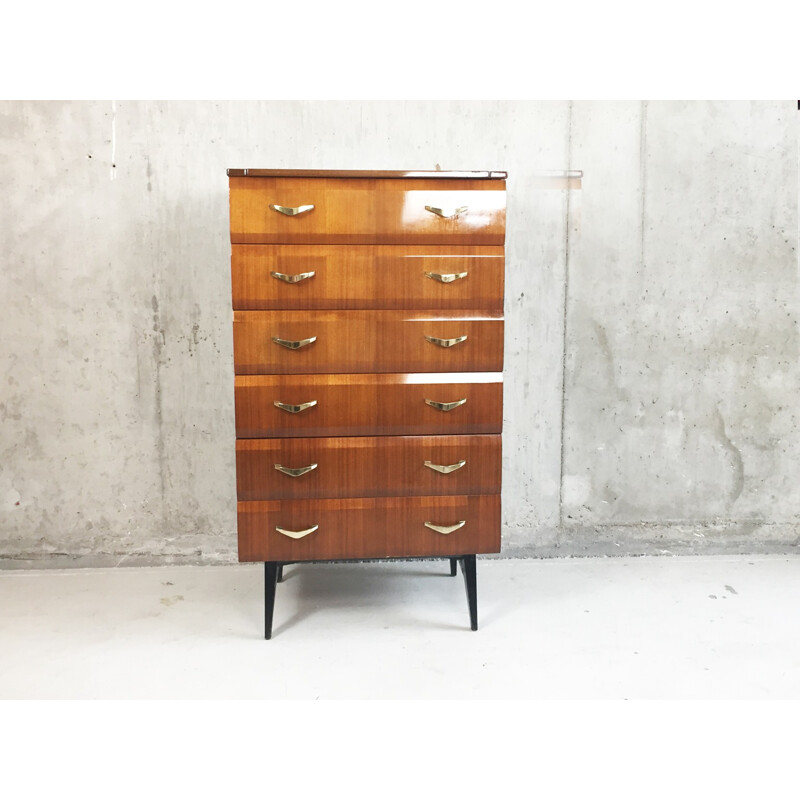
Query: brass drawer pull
{"points": [[298, 534], [443, 278], [291, 212], [445, 406], [292, 278], [446, 528], [446, 342], [447, 213], [294, 344], [444, 469], [295, 473], [294, 409]]}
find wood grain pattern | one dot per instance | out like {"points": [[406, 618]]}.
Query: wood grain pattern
{"points": [[368, 405], [367, 341], [368, 527], [364, 466], [366, 211], [365, 276]]}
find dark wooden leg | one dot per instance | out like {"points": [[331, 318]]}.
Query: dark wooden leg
{"points": [[280, 573], [470, 581], [453, 566], [270, 581]]}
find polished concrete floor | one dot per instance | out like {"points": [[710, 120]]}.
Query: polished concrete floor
{"points": [[668, 627]]}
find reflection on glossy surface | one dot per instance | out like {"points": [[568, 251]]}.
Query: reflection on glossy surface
{"points": [[368, 466], [452, 377], [452, 211], [363, 276], [366, 405], [367, 211], [296, 534], [366, 341], [446, 342]]}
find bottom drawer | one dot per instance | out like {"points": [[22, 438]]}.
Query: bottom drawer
{"points": [[373, 527]]}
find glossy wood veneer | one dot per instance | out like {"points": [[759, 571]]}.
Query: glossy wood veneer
{"points": [[367, 341], [366, 173], [365, 276], [368, 527], [364, 466], [368, 405], [366, 211]]}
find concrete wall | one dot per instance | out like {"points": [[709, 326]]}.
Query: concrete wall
{"points": [[652, 363]]}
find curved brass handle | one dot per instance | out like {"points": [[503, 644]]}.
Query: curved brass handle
{"points": [[291, 212], [446, 342], [445, 469], [443, 278], [301, 276], [294, 409], [295, 473], [445, 406], [298, 534], [295, 344], [447, 213], [445, 528]]}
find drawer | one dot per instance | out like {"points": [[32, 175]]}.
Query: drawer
{"points": [[363, 277], [367, 341], [368, 405], [364, 466], [368, 527], [367, 211]]}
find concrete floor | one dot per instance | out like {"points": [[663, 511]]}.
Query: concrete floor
{"points": [[669, 627]]}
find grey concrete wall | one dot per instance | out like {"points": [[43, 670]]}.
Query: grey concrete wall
{"points": [[652, 317]]}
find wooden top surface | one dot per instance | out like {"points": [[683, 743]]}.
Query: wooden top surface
{"points": [[362, 173]]}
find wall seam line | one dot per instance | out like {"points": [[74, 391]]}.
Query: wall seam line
{"points": [[564, 335]]}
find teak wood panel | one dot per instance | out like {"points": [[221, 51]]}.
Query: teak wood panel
{"points": [[368, 527], [366, 341], [367, 466], [366, 211], [368, 405], [366, 276]]}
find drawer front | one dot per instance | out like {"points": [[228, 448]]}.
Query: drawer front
{"points": [[363, 277], [366, 341], [367, 466], [368, 405], [366, 211], [368, 527]]}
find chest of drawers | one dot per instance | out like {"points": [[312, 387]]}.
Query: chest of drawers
{"points": [[368, 357]]}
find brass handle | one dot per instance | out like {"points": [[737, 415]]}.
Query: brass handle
{"points": [[446, 342], [293, 344], [446, 528], [301, 276], [443, 278], [446, 406], [448, 213], [298, 534], [445, 469], [295, 473], [291, 212], [294, 409]]}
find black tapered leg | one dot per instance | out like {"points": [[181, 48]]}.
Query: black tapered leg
{"points": [[471, 582], [453, 566], [270, 581], [280, 573]]}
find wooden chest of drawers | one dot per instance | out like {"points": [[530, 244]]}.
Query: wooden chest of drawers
{"points": [[368, 357]]}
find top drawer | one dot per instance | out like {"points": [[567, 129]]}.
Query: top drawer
{"points": [[367, 211]]}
